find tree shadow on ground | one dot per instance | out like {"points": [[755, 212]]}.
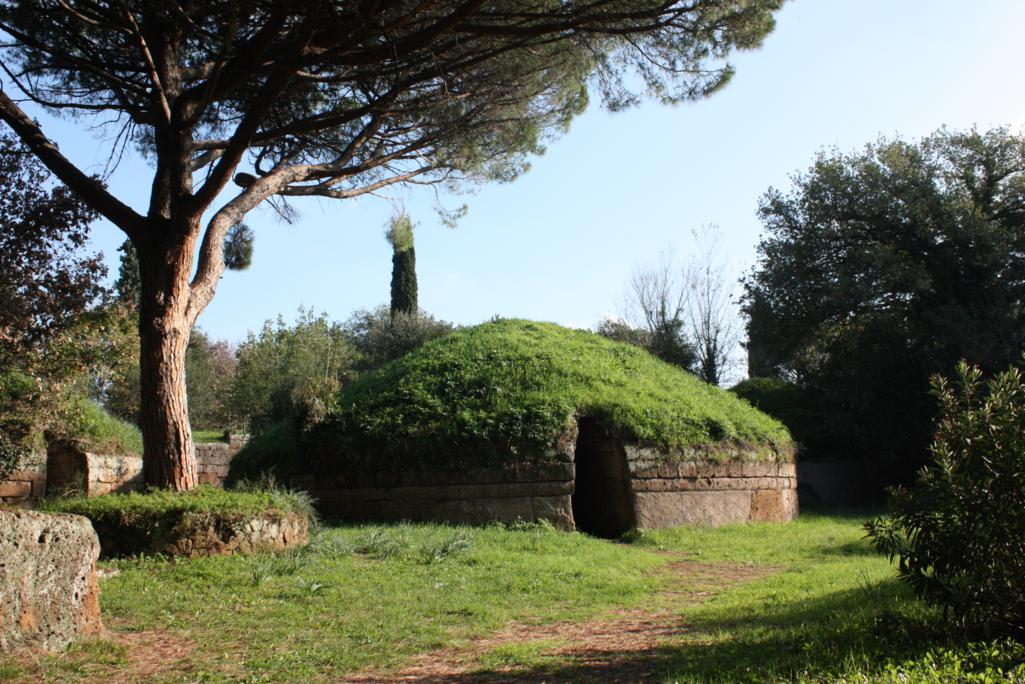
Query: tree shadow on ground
{"points": [[858, 629]]}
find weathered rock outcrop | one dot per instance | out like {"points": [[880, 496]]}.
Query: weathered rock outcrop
{"points": [[49, 594]]}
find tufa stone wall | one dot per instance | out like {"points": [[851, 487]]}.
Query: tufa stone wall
{"points": [[27, 484], [597, 484], [473, 496], [70, 468], [709, 493], [49, 594], [191, 534]]}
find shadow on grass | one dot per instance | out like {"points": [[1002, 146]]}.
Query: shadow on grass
{"points": [[853, 631]]}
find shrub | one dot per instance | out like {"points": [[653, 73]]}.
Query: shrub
{"points": [[960, 533], [290, 372], [88, 422], [381, 336]]}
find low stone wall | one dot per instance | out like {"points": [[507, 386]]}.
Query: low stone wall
{"points": [[73, 469], [212, 461], [599, 485], [192, 534], [710, 494], [472, 496], [49, 594], [27, 484]]}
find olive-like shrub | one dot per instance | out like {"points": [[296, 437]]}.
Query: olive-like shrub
{"points": [[959, 534]]}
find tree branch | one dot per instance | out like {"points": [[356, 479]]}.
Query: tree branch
{"points": [[88, 188]]}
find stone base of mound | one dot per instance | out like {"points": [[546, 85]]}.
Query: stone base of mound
{"points": [[49, 594], [597, 484], [191, 534]]}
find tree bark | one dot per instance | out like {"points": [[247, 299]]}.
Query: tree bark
{"points": [[169, 459]]}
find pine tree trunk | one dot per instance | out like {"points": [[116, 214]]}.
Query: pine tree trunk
{"points": [[169, 459]]}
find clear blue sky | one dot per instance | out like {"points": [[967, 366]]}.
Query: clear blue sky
{"points": [[558, 243]]}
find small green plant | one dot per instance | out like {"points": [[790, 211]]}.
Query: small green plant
{"points": [[959, 534], [435, 552]]}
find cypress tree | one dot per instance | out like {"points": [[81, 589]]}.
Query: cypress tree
{"points": [[403, 266]]}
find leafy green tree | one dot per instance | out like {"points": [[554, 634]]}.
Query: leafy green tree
{"points": [[379, 336], [884, 267], [210, 369], [324, 98], [403, 266], [128, 285], [47, 287], [290, 372]]}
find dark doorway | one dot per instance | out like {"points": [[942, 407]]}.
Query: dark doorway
{"points": [[602, 501]]}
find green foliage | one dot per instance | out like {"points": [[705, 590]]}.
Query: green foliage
{"points": [[794, 407], [128, 285], [883, 267], [380, 336], [88, 422], [959, 534], [509, 389], [49, 336], [290, 372], [238, 247], [403, 266], [209, 372], [667, 340], [160, 503]]}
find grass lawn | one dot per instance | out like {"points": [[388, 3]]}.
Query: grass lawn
{"points": [[808, 601]]}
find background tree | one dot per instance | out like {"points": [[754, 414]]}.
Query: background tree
{"points": [[329, 99], [403, 266], [379, 337], [713, 325], [655, 302], [884, 267], [128, 285], [290, 372], [47, 286]]}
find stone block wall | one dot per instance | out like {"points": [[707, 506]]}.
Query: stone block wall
{"points": [[212, 461], [27, 484], [709, 493], [471, 496], [71, 470]]}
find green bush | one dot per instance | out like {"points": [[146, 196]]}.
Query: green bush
{"points": [[291, 372], [381, 336], [796, 407], [959, 534]]}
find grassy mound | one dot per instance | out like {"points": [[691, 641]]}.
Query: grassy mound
{"points": [[155, 521], [98, 430], [510, 388]]}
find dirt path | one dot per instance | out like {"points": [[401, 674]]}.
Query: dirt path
{"points": [[622, 646]]}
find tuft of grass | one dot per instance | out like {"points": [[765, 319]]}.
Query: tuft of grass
{"points": [[511, 388], [101, 431]]}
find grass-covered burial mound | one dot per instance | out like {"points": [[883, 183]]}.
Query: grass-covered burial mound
{"points": [[518, 420], [510, 390]]}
